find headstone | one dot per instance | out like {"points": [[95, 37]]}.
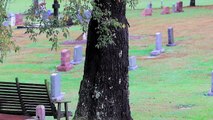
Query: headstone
{"points": [[170, 37], [161, 3], [6, 23], [174, 9], [132, 63], [147, 12], [179, 6], [165, 10], [11, 19], [78, 55], [149, 6], [65, 61], [56, 94], [158, 48], [19, 19], [211, 91], [40, 112], [45, 15]]}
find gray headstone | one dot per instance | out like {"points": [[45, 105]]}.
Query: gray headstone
{"points": [[161, 3], [6, 23], [132, 63], [158, 48], [174, 9], [45, 16], [55, 85], [149, 5], [78, 55], [211, 91], [170, 37]]}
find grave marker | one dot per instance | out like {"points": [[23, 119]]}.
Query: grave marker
{"points": [[179, 6], [56, 94], [40, 112], [78, 55], [11, 19], [19, 19], [165, 10], [174, 9], [170, 37], [132, 63], [149, 6], [211, 91], [147, 12], [65, 61], [158, 48]]}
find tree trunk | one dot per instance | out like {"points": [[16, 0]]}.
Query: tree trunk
{"points": [[192, 3], [103, 93]]}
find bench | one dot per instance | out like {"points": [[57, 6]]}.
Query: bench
{"points": [[22, 98]]}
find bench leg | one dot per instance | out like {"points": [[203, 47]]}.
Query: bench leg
{"points": [[66, 111], [59, 111]]}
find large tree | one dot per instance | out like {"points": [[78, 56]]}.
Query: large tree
{"points": [[192, 3], [104, 93]]}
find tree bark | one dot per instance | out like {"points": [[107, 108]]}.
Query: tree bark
{"points": [[104, 93], [192, 3]]}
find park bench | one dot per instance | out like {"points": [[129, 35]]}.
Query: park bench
{"points": [[22, 98]]}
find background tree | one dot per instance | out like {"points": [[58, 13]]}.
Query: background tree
{"points": [[192, 3]]}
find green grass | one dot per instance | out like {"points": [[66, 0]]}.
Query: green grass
{"points": [[168, 88]]}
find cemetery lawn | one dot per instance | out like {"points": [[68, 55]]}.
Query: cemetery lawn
{"points": [[170, 87]]}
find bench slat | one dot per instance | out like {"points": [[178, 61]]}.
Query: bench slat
{"points": [[31, 84]]}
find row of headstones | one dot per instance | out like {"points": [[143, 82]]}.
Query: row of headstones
{"points": [[66, 63], [158, 47], [166, 10]]}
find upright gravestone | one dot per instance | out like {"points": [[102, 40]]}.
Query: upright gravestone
{"points": [[158, 48], [11, 19], [165, 10], [56, 94], [174, 9], [161, 3], [170, 37], [19, 20], [65, 61], [78, 55], [132, 63], [45, 15], [40, 112], [147, 12], [149, 6], [211, 91], [179, 6]]}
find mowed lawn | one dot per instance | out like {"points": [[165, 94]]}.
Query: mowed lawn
{"points": [[172, 86]]}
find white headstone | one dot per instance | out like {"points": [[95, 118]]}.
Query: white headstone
{"points": [[78, 55], [158, 45], [55, 85], [11, 19]]}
